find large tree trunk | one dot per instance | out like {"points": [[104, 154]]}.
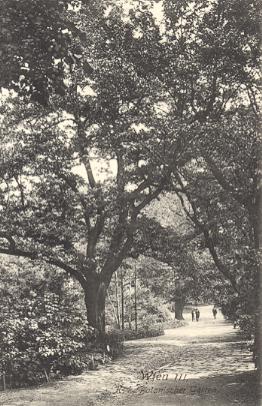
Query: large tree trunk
{"points": [[179, 307], [179, 299], [95, 297]]}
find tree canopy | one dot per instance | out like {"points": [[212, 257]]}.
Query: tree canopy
{"points": [[125, 106]]}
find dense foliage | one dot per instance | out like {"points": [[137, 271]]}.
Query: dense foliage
{"points": [[39, 43], [125, 106], [43, 330]]}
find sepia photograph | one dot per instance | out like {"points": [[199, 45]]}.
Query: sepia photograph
{"points": [[130, 203]]}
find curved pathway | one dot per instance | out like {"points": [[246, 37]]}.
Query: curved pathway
{"points": [[201, 364]]}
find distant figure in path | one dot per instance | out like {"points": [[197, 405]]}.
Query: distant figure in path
{"points": [[193, 314], [197, 314], [214, 311]]}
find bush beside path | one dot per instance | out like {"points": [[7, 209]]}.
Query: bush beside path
{"points": [[204, 363]]}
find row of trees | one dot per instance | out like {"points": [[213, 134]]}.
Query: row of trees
{"points": [[147, 106]]}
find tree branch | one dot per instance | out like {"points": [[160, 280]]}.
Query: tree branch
{"points": [[21, 189], [206, 232], [115, 260], [94, 234], [72, 184], [224, 183], [153, 195], [120, 172], [13, 251], [84, 155]]}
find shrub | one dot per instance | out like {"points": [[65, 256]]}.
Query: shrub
{"points": [[32, 349], [174, 323], [43, 328], [142, 332], [246, 324]]}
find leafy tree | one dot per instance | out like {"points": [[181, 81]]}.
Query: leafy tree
{"points": [[223, 208], [54, 206], [210, 69], [126, 108], [220, 194]]}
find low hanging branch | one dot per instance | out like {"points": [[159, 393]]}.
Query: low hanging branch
{"points": [[33, 255]]}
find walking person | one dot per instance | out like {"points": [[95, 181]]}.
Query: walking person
{"points": [[214, 311], [193, 314], [197, 314]]}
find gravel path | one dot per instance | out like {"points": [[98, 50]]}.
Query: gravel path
{"points": [[201, 364]]}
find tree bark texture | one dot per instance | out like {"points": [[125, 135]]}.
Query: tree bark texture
{"points": [[179, 307], [95, 298]]}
